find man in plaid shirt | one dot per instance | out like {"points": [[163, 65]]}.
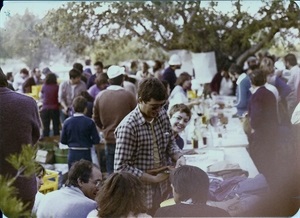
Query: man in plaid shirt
{"points": [[145, 143]]}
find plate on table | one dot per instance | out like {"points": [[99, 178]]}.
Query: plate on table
{"points": [[205, 158]]}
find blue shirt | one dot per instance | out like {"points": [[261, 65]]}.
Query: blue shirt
{"points": [[79, 131]]}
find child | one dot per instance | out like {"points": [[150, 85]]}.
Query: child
{"points": [[190, 186], [79, 132]]}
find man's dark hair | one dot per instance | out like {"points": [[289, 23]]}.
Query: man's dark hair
{"points": [[101, 79], [78, 66], [99, 63], [234, 68], [79, 104], [190, 182], [3, 80], [257, 77], [291, 58], [74, 74], [81, 170], [87, 62], [117, 80], [24, 71], [151, 88]]}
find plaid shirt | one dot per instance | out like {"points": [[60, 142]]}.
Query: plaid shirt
{"points": [[67, 94], [134, 146]]}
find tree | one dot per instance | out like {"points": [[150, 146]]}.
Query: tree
{"points": [[175, 25], [23, 162], [21, 40]]}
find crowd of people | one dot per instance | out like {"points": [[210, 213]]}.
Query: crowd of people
{"points": [[140, 114]]}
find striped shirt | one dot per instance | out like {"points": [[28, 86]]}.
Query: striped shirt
{"points": [[134, 146]]}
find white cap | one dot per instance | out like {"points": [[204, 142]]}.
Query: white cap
{"points": [[114, 71], [175, 60]]}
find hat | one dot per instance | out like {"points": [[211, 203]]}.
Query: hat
{"points": [[251, 58], [114, 71], [175, 60]]}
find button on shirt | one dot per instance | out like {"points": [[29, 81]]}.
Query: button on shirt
{"points": [[134, 146]]}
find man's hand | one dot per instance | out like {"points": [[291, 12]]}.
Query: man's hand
{"points": [[159, 170], [180, 161]]}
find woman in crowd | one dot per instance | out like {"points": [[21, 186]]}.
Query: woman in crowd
{"points": [[179, 116], [222, 83], [158, 69], [50, 107], [179, 93], [121, 196], [144, 73]]}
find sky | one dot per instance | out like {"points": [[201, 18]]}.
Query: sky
{"points": [[40, 8]]}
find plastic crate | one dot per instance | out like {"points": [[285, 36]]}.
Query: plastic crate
{"points": [[50, 182]]}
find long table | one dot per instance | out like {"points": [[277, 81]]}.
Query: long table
{"points": [[233, 155]]}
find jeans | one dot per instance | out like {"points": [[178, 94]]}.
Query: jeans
{"points": [[110, 157], [47, 115]]}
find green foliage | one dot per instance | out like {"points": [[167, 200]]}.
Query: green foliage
{"points": [[172, 25], [24, 163], [20, 39], [126, 50], [8, 202]]}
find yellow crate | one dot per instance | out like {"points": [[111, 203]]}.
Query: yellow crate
{"points": [[50, 182]]}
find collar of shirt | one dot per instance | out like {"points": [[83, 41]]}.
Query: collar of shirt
{"points": [[114, 87], [188, 201], [241, 77], [254, 89], [141, 118], [76, 114]]}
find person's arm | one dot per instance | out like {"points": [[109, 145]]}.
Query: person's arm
{"points": [[284, 89], [36, 125], [295, 119], [154, 178], [91, 81], [125, 155], [94, 134], [61, 97], [96, 111], [243, 90], [64, 136]]}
